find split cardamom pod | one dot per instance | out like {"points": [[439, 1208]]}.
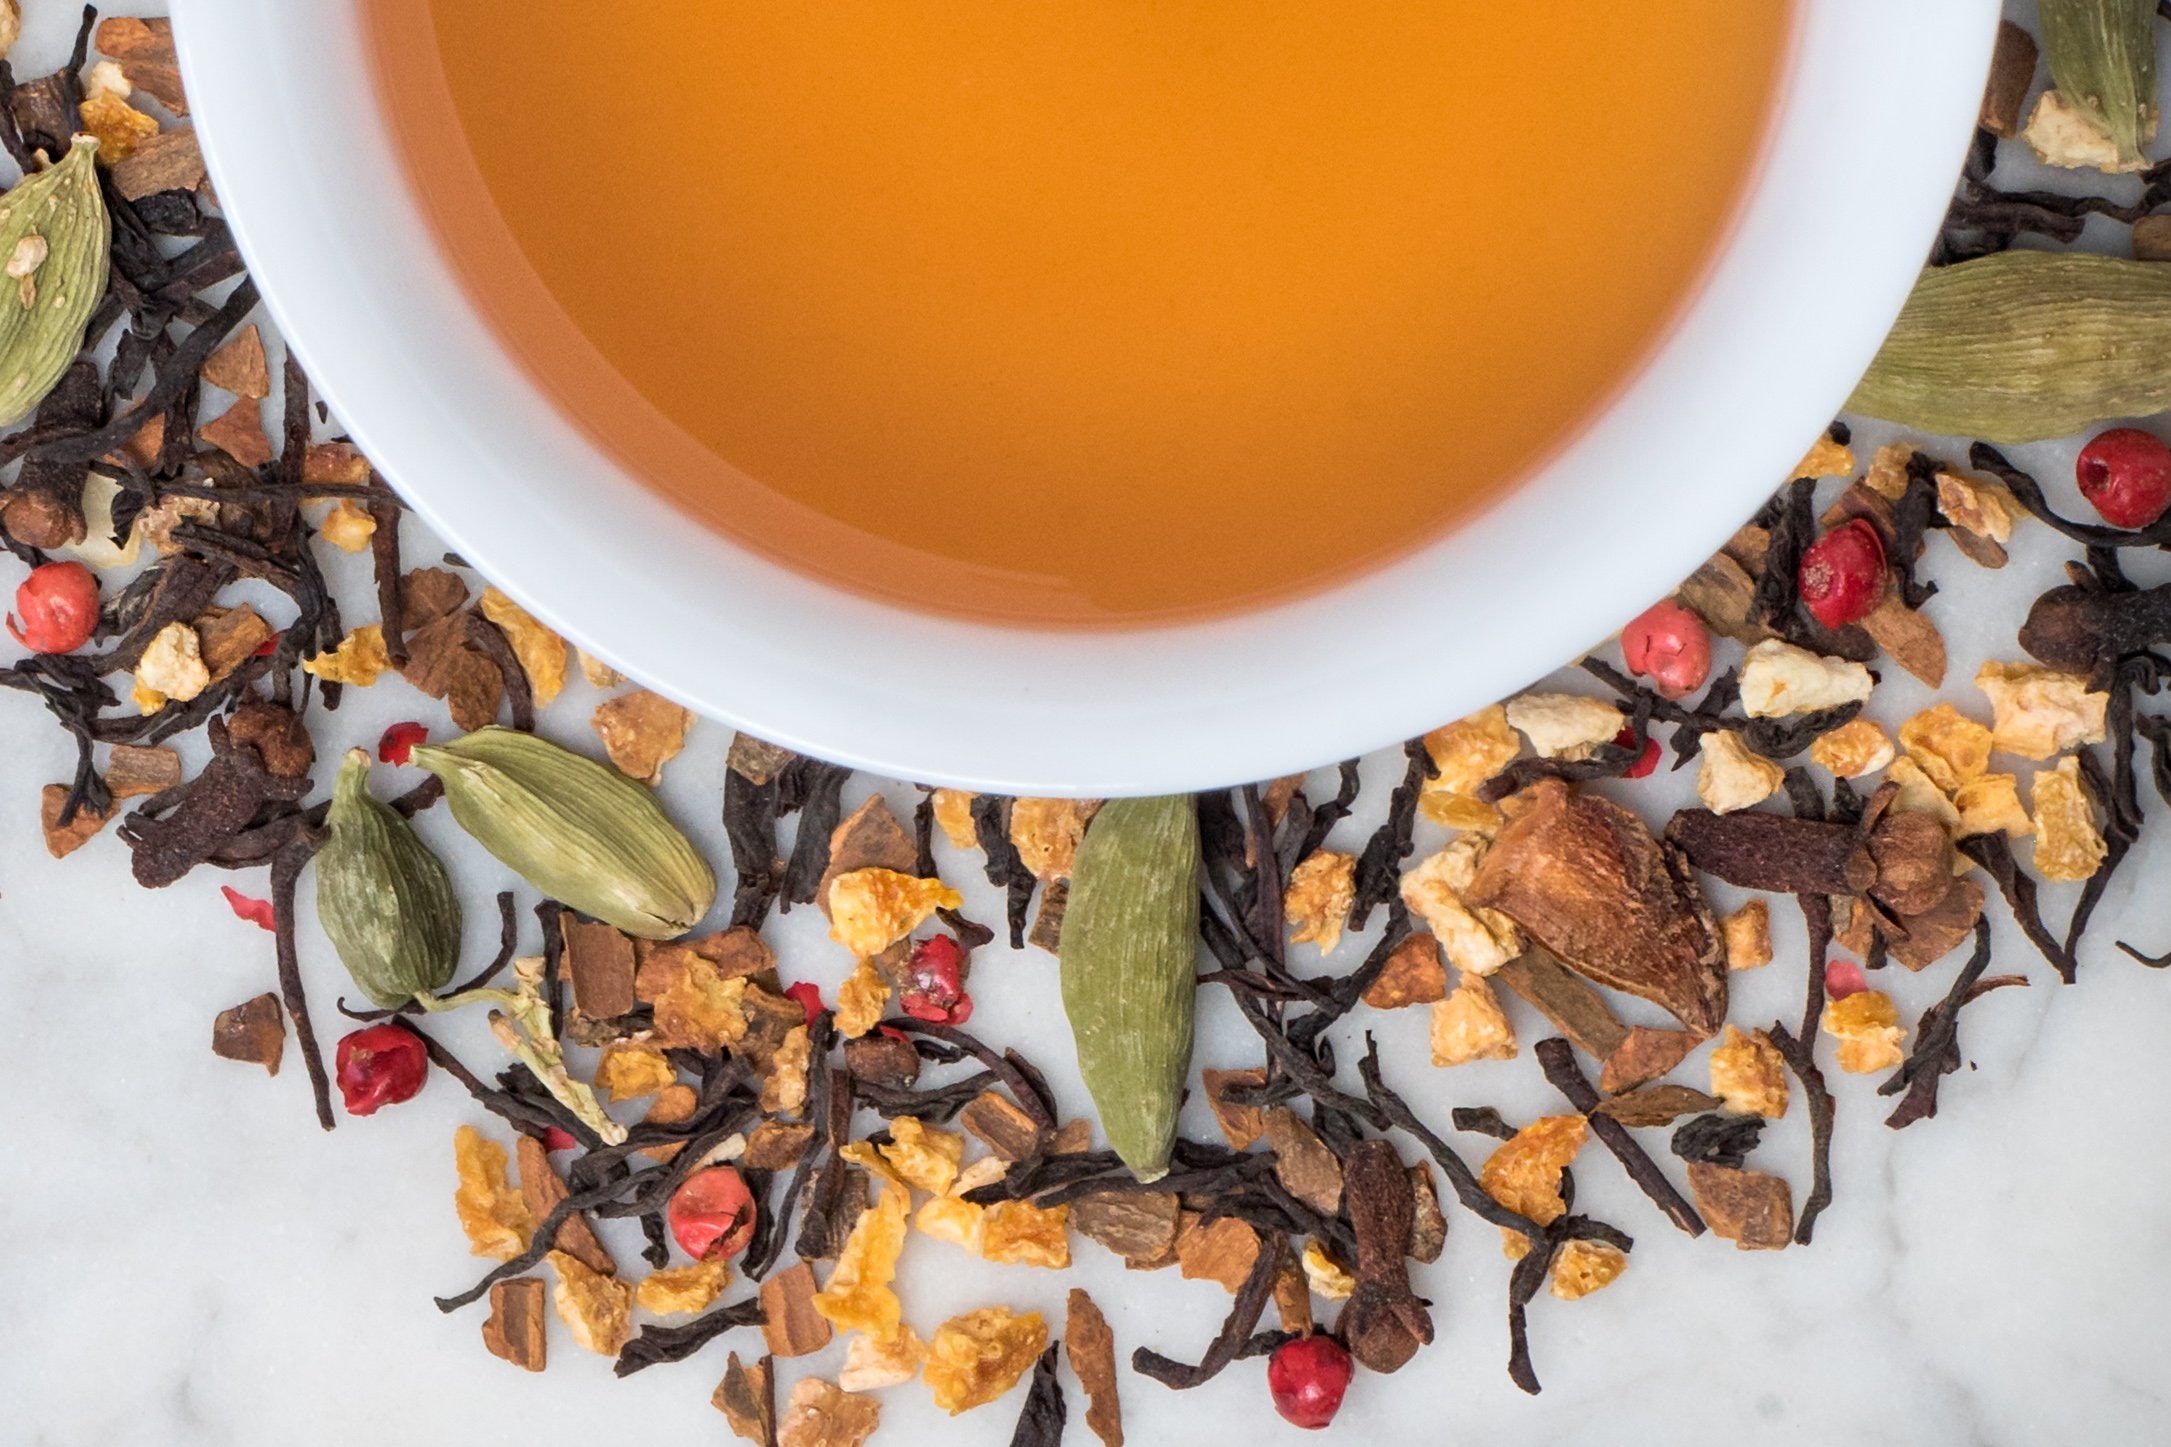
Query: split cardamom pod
{"points": [[383, 897], [2102, 56], [1129, 970], [54, 237], [581, 832], [2024, 346]]}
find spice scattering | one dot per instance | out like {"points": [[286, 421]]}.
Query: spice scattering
{"points": [[702, 1135]]}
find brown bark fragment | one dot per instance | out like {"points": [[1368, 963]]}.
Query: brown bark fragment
{"points": [[168, 161], [1242, 1124], [1646, 1055], [1091, 1347], [869, 838], [2152, 238], [144, 50], [1428, 1230], [777, 1145], [239, 365], [1292, 1292], [1909, 638], [1584, 878], [514, 1330], [133, 770], [1415, 974], [993, 1120], [2012, 75], [1305, 1167], [1753, 1210], [1136, 1225], [882, 1060], [341, 462], [252, 1032], [226, 640], [62, 841], [747, 1398], [1655, 1105], [757, 760], [1223, 1251], [1563, 998], [599, 962], [790, 1324], [1047, 930], [542, 1188], [1723, 593], [239, 433]]}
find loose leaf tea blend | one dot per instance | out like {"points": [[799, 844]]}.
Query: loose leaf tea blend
{"points": [[777, 1143]]}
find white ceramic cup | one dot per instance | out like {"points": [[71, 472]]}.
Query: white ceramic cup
{"points": [[1879, 101]]}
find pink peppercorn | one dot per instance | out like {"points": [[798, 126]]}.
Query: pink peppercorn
{"points": [[1308, 1377], [1670, 645], [1843, 978], [711, 1213], [2126, 474], [1646, 761], [398, 741], [809, 996], [59, 607], [1842, 575], [935, 989], [382, 1065]]}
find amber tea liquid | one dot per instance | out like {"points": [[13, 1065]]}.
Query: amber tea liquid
{"points": [[1081, 312]]}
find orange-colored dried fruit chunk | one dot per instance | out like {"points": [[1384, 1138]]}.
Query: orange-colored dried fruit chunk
{"points": [[676, 1290], [1947, 745], [1583, 1267], [597, 1309], [976, 1357], [1316, 903], [2069, 846], [491, 1209], [1867, 1029], [1524, 1174], [1019, 1233], [1748, 1074], [872, 909], [857, 1296]]}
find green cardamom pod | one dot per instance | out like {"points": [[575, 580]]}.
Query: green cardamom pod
{"points": [[1130, 971], [2024, 346], [54, 238], [580, 831], [382, 896], [2102, 56]]}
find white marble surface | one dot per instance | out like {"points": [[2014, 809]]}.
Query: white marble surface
{"points": [[185, 1258]]}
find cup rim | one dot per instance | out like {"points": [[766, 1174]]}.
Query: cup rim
{"points": [[1863, 146]]}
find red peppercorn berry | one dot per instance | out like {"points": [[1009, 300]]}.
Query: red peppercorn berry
{"points": [[935, 988], [1842, 576], [2126, 474], [59, 604], [555, 1140], [1308, 1377], [255, 911], [711, 1213], [394, 745], [1646, 761], [1843, 978], [1670, 644], [809, 996], [382, 1065]]}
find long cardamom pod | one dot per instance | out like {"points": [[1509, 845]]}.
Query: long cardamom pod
{"points": [[382, 896], [55, 234], [2024, 346], [2102, 56], [580, 831], [1129, 970]]}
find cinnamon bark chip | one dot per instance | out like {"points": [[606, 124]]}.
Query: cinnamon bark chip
{"points": [[641, 732], [428, 594], [228, 639], [756, 760], [1222, 1251], [1753, 1210], [1091, 1347], [870, 839], [1305, 1167], [1723, 593], [1047, 930], [1558, 993], [441, 664], [1072, 1138], [1415, 974], [514, 1330], [239, 433], [1139, 1226], [599, 962], [253, 1032], [1428, 1226], [993, 1120], [790, 1324], [542, 1189], [168, 161], [1646, 1055], [1656, 1105], [777, 1145], [144, 50], [239, 367], [882, 1060], [1242, 1124], [2012, 75], [747, 1398], [62, 840], [1584, 878], [341, 463]]}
